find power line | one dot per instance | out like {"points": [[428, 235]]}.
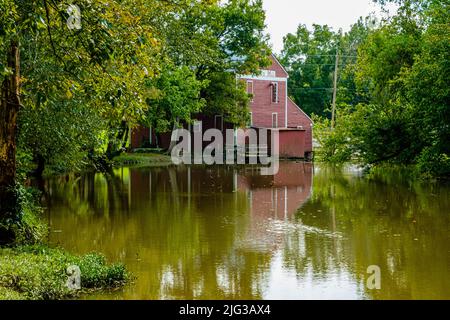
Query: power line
{"points": [[330, 55], [318, 64], [338, 89], [321, 64], [299, 88]]}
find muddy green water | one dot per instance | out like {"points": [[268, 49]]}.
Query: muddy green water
{"points": [[229, 233]]}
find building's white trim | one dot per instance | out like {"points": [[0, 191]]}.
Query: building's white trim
{"points": [[197, 127], [285, 202], [251, 119], [190, 129], [286, 107], [276, 60], [253, 77]]}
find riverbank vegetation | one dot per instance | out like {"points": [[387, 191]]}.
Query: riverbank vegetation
{"points": [[30, 270], [142, 158], [392, 105], [39, 272]]}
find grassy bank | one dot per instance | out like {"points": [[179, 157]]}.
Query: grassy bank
{"points": [[39, 272], [142, 159], [30, 270]]}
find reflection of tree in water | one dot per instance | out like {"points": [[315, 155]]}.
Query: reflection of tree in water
{"points": [[401, 227], [178, 237], [90, 193], [197, 256], [185, 231]]}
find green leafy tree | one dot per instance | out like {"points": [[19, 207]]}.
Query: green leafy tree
{"points": [[427, 86], [177, 97], [61, 135], [310, 58], [44, 63], [217, 40], [402, 71], [406, 65]]}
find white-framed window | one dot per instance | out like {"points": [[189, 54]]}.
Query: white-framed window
{"points": [[250, 121], [268, 73], [218, 122], [274, 120], [250, 88], [274, 87]]}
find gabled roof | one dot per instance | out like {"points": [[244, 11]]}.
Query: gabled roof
{"points": [[281, 66]]}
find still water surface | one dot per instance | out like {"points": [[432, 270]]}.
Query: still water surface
{"points": [[310, 232]]}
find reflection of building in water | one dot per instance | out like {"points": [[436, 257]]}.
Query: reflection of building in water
{"points": [[270, 199], [228, 218], [276, 197], [225, 191], [273, 201], [279, 196]]}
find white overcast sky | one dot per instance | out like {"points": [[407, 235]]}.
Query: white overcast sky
{"points": [[283, 16]]}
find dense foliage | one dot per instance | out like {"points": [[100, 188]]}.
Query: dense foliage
{"points": [[393, 89], [150, 62], [205, 45], [310, 58], [75, 80], [39, 272]]}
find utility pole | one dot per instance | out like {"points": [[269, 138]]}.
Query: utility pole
{"points": [[333, 110]]}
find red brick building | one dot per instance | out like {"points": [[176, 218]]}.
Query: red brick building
{"points": [[270, 108]]}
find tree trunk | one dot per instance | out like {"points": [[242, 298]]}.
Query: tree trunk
{"points": [[40, 166], [112, 150], [9, 108], [125, 137]]}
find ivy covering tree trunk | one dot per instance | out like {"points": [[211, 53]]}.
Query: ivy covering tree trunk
{"points": [[10, 104]]}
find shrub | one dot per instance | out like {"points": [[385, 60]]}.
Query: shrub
{"points": [[334, 143], [24, 225], [95, 273], [433, 164], [39, 273]]}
